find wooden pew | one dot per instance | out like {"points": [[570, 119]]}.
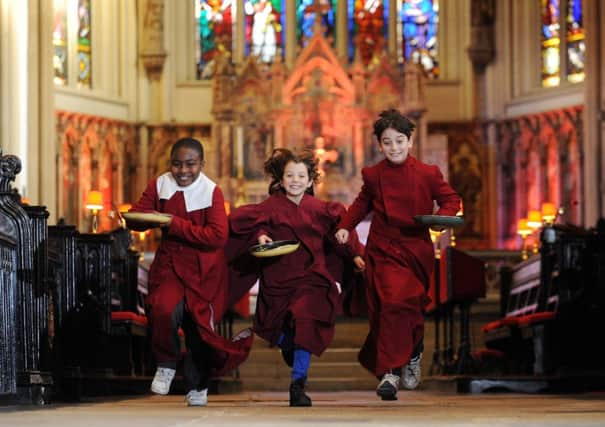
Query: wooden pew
{"points": [[24, 297]]}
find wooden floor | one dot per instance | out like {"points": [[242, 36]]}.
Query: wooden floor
{"points": [[356, 408]]}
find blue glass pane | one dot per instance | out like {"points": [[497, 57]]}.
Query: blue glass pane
{"points": [[420, 20]]}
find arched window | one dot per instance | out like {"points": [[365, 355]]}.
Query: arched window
{"points": [[72, 26], [84, 44], [60, 44], [368, 27], [214, 21], [265, 23], [576, 46], [419, 24], [562, 57], [305, 19]]}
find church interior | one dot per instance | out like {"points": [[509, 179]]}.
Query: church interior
{"points": [[507, 97]]}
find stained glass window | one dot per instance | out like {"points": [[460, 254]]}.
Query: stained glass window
{"points": [[368, 27], [84, 44], [265, 20], [551, 41], [60, 43], [305, 19], [214, 19], [420, 20], [575, 42]]}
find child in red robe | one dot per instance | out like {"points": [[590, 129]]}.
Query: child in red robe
{"points": [[298, 296], [188, 277], [399, 254]]}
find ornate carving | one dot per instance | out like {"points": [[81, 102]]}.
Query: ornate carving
{"points": [[10, 166], [152, 51]]}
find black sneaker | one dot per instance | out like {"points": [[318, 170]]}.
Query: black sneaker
{"points": [[297, 393], [387, 388]]}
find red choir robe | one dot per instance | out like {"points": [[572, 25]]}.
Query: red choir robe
{"points": [[399, 255], [298, 288], [190, 264]]}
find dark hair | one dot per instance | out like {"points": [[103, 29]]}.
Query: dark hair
{"points": [[192, 143], [393, 119], [276, 165]]}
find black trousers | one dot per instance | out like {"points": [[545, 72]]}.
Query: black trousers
{"points": [[196, 371]]}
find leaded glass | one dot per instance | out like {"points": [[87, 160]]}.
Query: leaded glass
{"points": [[368, 27], [551, 41], [305, 19], [214, 20], [575, 42], [60, 43], [84, 44], [265, 21], [420, 21]]}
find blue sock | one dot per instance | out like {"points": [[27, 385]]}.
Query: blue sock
{"points": [[285, 340], [302, 360]]}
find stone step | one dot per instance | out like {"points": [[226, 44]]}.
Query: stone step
{"points": [[317, 369], [273, 355], [314, 384]]}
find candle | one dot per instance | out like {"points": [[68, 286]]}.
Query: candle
{"points": [[239, 142]]}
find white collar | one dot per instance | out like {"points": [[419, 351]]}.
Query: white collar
{"points": [[197, 195]]}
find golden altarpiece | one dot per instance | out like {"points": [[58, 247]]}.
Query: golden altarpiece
{"points": [[320, 104]]}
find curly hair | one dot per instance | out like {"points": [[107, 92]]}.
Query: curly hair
{"points": [[276, 165], [393, 119]]}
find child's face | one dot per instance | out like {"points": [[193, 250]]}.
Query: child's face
{"points": [[296, 179], [185, 166], [394, 145]]}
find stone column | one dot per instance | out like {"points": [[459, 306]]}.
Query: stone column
{"points": [[594, 113], [481, 51], [152, 51], [27, 109]]}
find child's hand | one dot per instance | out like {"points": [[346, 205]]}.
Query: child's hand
{"points": [[342, 236], [263, 239], [360, 264]]}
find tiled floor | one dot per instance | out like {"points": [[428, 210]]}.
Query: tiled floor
{"points": [[356, 408]]}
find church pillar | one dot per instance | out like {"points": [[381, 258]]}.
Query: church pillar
{"points": [[342, 30], [26, 112], [240, 34], [394, 34], [594, 113], [291, 47]]}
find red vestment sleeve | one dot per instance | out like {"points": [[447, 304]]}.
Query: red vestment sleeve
{"points": [[360, 208], [445, 196], [353, 247], [148, 202], [212, 235]]}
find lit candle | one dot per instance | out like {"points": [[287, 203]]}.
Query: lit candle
{"points": [[239, 142]]}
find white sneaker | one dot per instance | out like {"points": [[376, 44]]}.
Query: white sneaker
{"points": [[162, 380], [387, 388], [411, 373], [197, 397]]}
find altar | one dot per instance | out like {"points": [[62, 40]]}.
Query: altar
{"points": [[319, 104]]}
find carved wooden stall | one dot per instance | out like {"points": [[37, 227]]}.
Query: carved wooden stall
{"points": [[25, 294]]}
